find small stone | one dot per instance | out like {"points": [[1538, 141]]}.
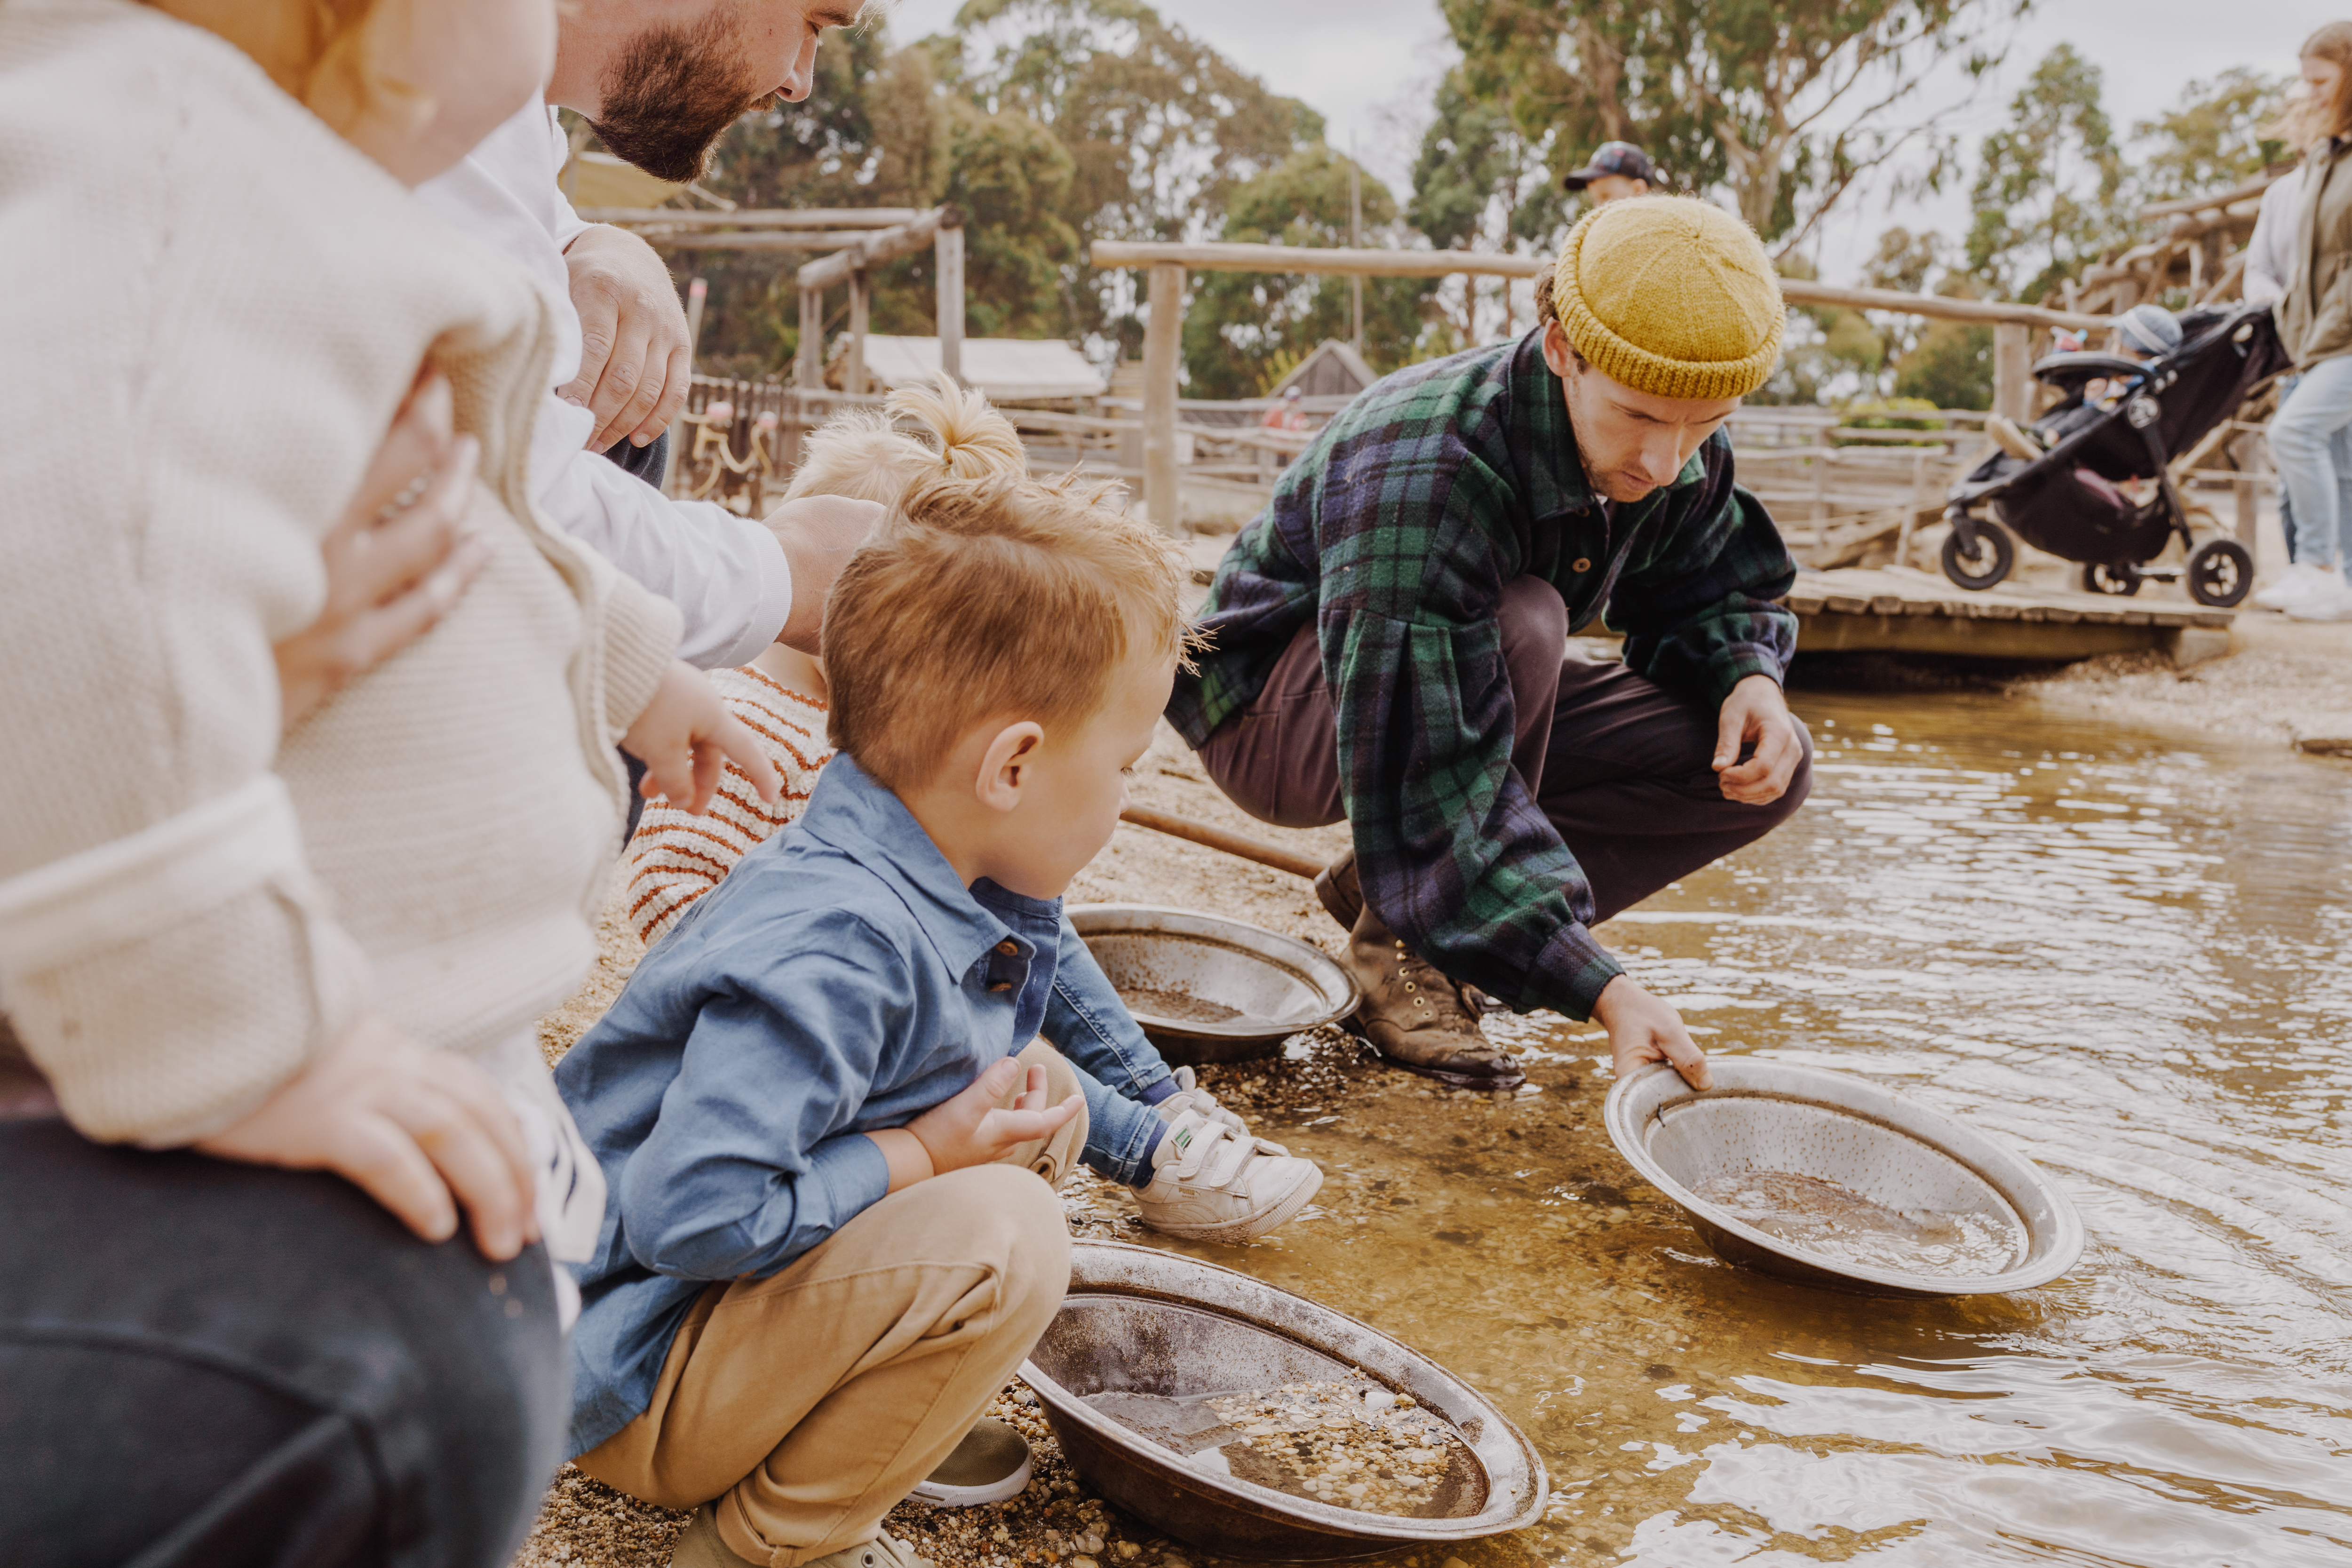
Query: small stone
{"points": [[1128, 1551], [1084, 1562], [1090, 1543]]}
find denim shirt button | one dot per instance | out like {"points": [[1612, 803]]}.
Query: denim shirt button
{"points": [[1009, 947]]}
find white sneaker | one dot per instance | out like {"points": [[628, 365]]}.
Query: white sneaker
{"points": [[1212, 1184], [2328, 604], [1190, 1096], [990, 1465], [2300, 581]]}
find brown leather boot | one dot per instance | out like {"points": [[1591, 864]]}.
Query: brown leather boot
{"points": [[1417, 1017]]}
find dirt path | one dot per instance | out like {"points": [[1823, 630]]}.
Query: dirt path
{"points": [[2287, 683]]}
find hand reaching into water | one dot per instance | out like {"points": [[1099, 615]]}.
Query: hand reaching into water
{"points": [[1642, 1030]]}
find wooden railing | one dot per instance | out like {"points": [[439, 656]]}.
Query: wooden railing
{"points": [[1163, 325]]}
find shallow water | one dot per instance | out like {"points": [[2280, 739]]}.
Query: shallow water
{"points": [[1827, 1221], [2124, 951]]}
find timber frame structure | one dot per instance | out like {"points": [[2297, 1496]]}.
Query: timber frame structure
{"points": [[2013, 325]]}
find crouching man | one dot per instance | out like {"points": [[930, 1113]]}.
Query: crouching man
{"points": [[1388, 644]]}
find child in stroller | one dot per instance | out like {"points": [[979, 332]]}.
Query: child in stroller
{"points": [[2087, 480]]}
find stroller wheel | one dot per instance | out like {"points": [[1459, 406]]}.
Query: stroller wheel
{"points": [[1988, 562], [2220, 572], [2121, 578]]}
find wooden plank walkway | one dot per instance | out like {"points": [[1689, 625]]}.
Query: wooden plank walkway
{"points": [[1898, 609]]}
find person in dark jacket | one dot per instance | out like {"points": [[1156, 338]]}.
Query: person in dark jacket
{"points": [[1388, 644]]}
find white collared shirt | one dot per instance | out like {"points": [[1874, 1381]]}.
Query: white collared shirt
{"points": [[726, 574]]}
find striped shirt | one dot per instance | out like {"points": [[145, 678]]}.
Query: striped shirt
{"points": [[676, 857]]}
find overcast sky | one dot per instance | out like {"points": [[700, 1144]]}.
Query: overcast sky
{"points": [[1370, 66]]}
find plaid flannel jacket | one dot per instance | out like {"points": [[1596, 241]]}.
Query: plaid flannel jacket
{"points": [[1394, 534]]}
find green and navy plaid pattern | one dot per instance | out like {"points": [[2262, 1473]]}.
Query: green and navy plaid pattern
{"points": [[1395, 534]]}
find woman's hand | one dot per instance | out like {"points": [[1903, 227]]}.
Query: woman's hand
{"points": [[1642, 1030], [686, 736], [397, 561], [422, 1132]]}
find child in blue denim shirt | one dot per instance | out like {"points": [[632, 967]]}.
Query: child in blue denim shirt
{"points": [[821, 1099]]}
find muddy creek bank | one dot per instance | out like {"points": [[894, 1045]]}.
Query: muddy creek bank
{"points": [[2121, 949]]}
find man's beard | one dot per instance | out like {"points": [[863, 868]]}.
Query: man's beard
{"points": [[673, 94]]}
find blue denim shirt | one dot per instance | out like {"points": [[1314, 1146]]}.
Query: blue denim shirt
{"points": [[839, 980]]}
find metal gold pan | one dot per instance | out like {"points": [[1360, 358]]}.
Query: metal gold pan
{"points": [[1766, 1116]]}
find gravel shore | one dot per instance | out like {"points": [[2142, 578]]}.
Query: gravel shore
{"points": [[2286, 683]]}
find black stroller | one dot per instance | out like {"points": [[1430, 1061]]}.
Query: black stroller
{"points": [[2074, 499]]}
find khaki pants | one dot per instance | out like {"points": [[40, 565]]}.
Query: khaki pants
{"points": [[811, 1401]]}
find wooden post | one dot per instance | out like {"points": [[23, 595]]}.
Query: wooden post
{"points": [[697, 292], [1356, 241], [946, 251], [2013, 370], [1919, 502], [1163, 346], [2250, 512], [808, 364], [853, 378]]}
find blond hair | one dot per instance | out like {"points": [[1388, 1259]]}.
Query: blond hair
{"points": [[860, 453], [996, 598], [2307, 121]]}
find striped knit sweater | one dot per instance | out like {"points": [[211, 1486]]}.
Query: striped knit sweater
{"points": [[675, 859]]}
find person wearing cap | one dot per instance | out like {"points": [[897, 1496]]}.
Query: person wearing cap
{"points": [[1388, 645], [1618, 170]]}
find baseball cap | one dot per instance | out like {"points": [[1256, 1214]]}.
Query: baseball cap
{"points": [[1613, 158]]}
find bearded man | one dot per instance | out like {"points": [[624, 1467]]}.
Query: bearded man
{"points": [[661, 80], [1388, 645]]}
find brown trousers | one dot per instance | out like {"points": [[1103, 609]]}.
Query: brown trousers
{"points": [[1622, 766], [809, 1403]]}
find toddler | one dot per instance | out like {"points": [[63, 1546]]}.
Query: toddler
{"points": [[822, 1103], [675, 856]]}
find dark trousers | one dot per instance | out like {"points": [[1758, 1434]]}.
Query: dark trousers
{"points": [[208, 1364], [1622, 766]]}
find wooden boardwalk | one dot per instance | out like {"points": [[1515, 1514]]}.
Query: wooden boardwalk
{"points": [[1897, 609]]}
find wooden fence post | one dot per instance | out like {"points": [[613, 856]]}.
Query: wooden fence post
{"points": [[948, 258], [1163, 344], [2013, 370], [2250, 512], [853, 379], [808, 364]]}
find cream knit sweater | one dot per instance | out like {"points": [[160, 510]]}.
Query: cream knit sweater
{"points": [[211, 308]]}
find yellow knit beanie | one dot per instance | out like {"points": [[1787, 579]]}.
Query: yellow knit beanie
{"points": [[1670, 295]]}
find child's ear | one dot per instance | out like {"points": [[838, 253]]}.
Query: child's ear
{"points": [[1005, 765]]}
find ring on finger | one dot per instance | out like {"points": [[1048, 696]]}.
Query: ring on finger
{"points": [[410, 494]]}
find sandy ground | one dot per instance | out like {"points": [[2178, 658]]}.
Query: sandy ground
{"points": [[2285, 683]]}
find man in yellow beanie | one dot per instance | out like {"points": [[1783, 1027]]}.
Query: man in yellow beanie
{"points": [[1388, 644]]}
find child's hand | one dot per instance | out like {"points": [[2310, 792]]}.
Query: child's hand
{"points": [[976, 1128], [423, 1132], [685, 736]]}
